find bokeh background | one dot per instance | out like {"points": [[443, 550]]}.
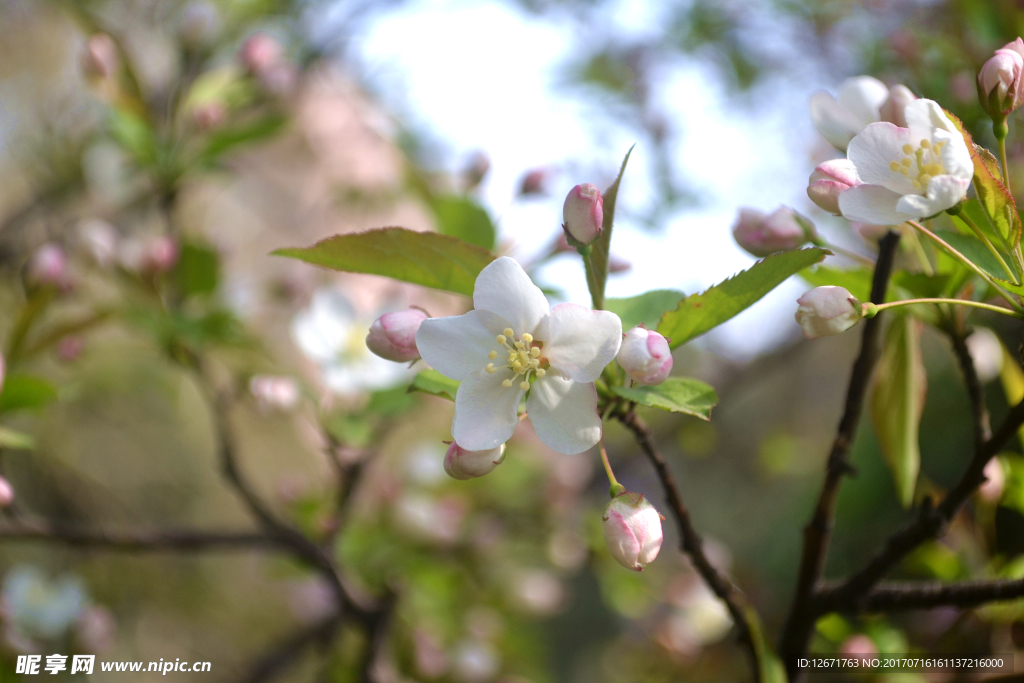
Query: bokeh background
{"points": [[166, 148]]}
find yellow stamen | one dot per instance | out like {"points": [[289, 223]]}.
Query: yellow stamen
{"points": [[527, 337], [535, 352], [490, 368], [506, 383], [907, 149], [906, 161], [524, 385], [926, 143], [501, 339], [893, 166], [541, 372], [492, 355], [508, 332]]}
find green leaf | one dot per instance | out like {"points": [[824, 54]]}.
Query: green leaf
{"points": [[224, 141], [857, 281], [434, 383], [422, 258], [897, 401], [135, 135], [993, 195], [676, 394], [16, 440], [644, 309], [974, 249], [919, 285], [197, 270], [463, 218], [24, 392], [600, 250], [699, 313]]}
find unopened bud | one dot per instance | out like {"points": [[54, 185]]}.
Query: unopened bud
{"points": [[6, 493], [393, 335], [274, 392], [533, 182], [894, 108], [99, 239], [70, 348], [462, 464], [209, 115], [632, 530], [645, 356], [151, 255], [48, 266], [762, 235], [858, 645], [826, 311], [583, 213], [1001, 80], [260, 53], [829, 180], [991, 489], [99, 59]]}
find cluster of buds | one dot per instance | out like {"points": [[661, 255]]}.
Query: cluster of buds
{"points": [[1001, 84], [393, 335], [645, 356], [763, 234]]}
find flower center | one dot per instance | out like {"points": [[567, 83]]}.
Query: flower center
{"points": [[921, 163], [523, 358]]}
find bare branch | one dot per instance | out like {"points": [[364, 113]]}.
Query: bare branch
{"points": [[797, 631], [892, 596], [693, 545]]}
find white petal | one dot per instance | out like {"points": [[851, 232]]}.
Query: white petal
{"points": [[924, 116], [564, 414], [944, 191], [458, 345], [485, 411], [872, 204], [582, 342], [863, 96], [956, 158], [504, 288], [835, 124], [874, 148]]}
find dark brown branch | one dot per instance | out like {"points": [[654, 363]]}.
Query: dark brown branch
{"points": [[817, 533], [173, 540], [931, 521], [275, 662], [693, 545], [975, 389], [892, 596]]}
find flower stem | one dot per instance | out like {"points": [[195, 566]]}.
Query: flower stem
{"points": [[977, 231], [616, 488], [1002, 159], [967, 262], [870, 310]]}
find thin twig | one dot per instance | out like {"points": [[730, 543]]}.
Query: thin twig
{"points": [[692, 543], [174, 540], [975, 389], [892, 596], [797, 631], [278, 659]]}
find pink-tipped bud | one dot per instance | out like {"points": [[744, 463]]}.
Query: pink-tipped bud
{"points": [[827, 310], [829, 180], [48, 266], [6, 493], [209, 115], [991, 489], [274, 392], [645, 356], [762, 235], [393, 335], [99, 59], [1001, 80], [894, 108], [260, 53], [462, 464], [632, 530], [161, 254], [533, 182], [583, 213]]}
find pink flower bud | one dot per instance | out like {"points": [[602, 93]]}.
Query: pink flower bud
{"points": [[393, 335], [858, 645], [645, 356], [48, 266], [99, 239], [274, 393], [70, 348], [533, 182], [762, 235], [260, 53], [893, 109], [1000, 85], [6, 493], [583, 213], [826, 311], [995, 480], [462, 464], [829, 180], [209, 115], [99, 58], [161, 254], [632, 530]]}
